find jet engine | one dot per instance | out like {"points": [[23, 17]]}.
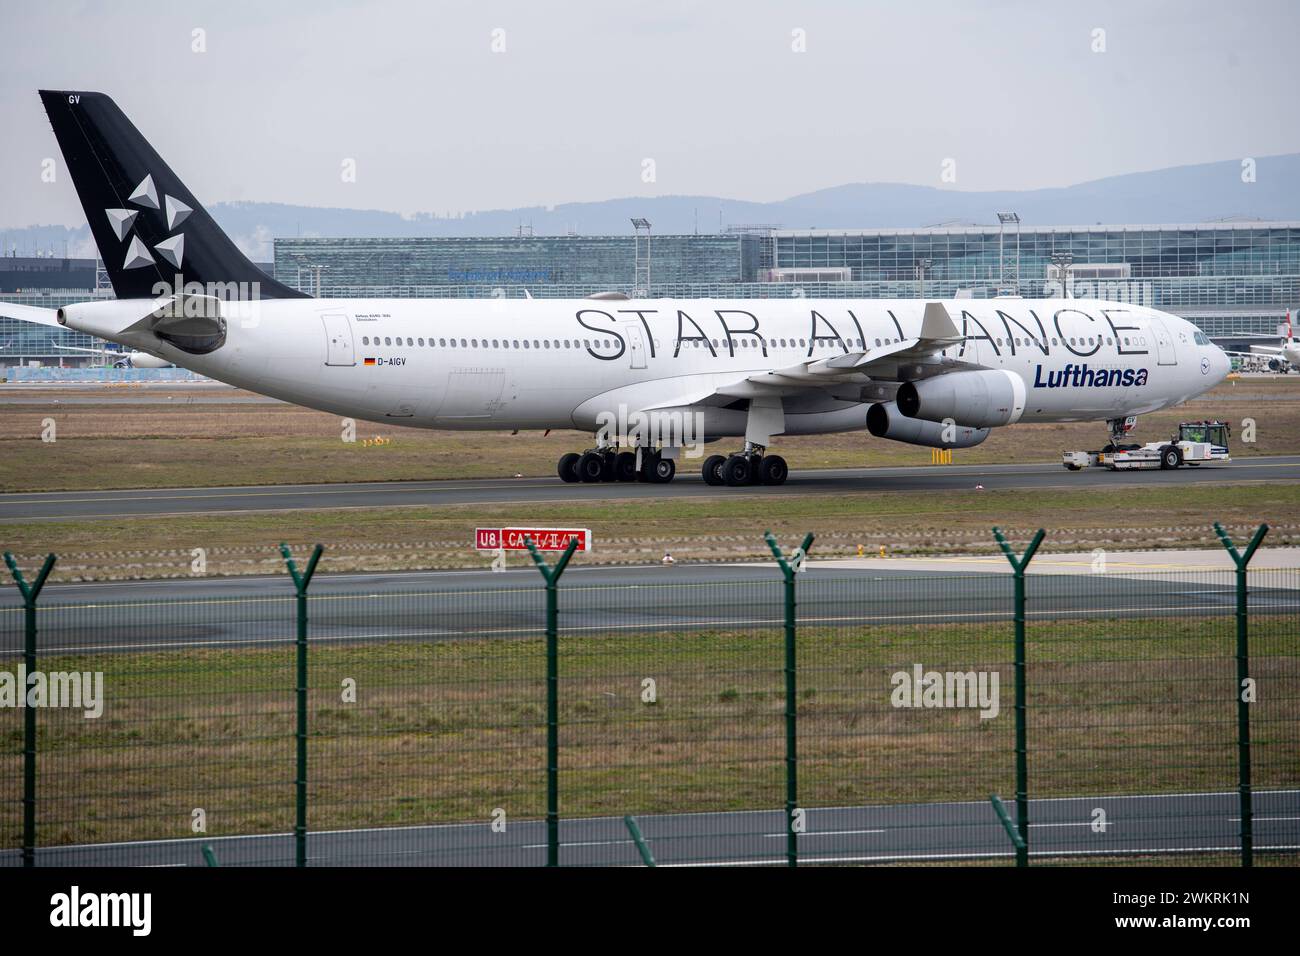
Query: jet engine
{"points": [[885, 421], [979, 399]]}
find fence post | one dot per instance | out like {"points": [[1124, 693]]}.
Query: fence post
{"points": [[1018, 565], [300, 581], [789, 567], [1242, 562], [552, 576], [642, 847], [30, 593], [1007, 825]]}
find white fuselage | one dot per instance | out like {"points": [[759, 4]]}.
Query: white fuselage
{"points": [[558, 363]]}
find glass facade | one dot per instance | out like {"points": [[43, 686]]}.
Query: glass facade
{"points": [[1229, 278], [531, 261], [971, 253], [21, 342], [1216, 272]]}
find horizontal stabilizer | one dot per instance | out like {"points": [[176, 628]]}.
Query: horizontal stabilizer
{"points": [[29, 313]]}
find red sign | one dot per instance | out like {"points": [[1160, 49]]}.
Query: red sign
{"points": [[545, 539]]}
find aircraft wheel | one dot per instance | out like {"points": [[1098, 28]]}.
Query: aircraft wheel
{"points": [[712, 469], [625, 466], [568, 467], [737, 471], [591, 467], [658, 470], [772, 470]]}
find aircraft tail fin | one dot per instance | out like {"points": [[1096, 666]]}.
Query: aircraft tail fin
{"points": [[152, 234]]}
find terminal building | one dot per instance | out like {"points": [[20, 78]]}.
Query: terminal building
{"points": [[1230, 278]]}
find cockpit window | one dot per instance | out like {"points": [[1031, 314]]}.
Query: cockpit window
{"points": [[1201, 339]]}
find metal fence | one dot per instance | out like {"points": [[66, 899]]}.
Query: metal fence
{"points": [[761, 716]]}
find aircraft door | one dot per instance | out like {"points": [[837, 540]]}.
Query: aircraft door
{"points": [[339, 347], [1164, 343], [635, 344]]}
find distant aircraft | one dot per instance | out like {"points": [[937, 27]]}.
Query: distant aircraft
{"points": [[940, 374], [1281, 358], [122, 359]]}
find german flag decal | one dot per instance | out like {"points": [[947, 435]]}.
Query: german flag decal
{"points": [[368, 361]]}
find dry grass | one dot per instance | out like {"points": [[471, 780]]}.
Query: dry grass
{"points": [[126, 445], [115, 445], [725, 528], [447, 731]]}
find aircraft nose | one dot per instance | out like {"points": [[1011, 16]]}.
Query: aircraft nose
{"points": [[1222, 364]]}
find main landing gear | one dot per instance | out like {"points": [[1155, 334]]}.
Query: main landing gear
{"points": [[749, 467], [610, 464]]}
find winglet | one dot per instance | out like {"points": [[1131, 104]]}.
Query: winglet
{"points": [[937, 324]]}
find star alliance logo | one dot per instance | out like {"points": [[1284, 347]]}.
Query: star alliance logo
{"points": [[171, 249]]}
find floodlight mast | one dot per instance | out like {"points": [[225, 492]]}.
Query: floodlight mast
{"points": [[1062, 261], [641, 282], [1003, 219], [921, 266]]}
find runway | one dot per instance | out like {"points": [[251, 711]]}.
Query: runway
{"points": [[255, 499], [466, 605], [1194, 823]]}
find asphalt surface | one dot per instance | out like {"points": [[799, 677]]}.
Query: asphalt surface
{"points": [[459, 605], [1135, 825], [162, 502]]}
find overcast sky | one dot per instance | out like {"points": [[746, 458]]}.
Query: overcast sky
{"points": [[583, 93]]}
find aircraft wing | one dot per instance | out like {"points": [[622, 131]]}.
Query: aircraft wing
{"points": [[30, 313], [1257, 350], [938, 332], [73, 348]]}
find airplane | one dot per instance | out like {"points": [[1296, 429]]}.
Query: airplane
{"points": [[670, 374], [121, 359], [1280, 358]]}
